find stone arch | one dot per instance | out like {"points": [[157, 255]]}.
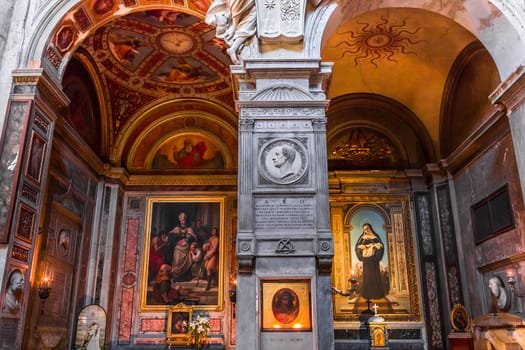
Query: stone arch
{"points": [[197, 114], [465, 105], [383, 115], [42, 49]]}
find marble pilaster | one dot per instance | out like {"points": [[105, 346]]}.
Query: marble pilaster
{"points": [[284, 233]]}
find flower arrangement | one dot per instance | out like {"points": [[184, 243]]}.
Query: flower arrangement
{"points": [[198, 330]]}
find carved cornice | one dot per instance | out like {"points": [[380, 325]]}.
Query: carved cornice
{"points": [[511, 92], [492, 130], [311, 75], [282, 109], [37, 82]]}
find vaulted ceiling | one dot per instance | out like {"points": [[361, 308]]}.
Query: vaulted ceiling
{"points": [[161, 80]]}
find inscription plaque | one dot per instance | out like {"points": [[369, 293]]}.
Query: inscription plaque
{"points": [[284, 213], [286, 341]]}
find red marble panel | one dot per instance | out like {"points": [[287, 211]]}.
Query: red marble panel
{"points": [[130, 250], [126, 315], [152, 325], [215, 325]]}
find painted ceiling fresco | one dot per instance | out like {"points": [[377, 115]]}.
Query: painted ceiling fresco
{"points": [[149, 55]]}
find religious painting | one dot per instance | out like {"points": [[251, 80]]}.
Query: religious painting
{"points": [[179, 317], [25, 223], [91, 328], [374, 258], [368, 254], [183, 253], [64, 38], [286, 305], [189, 151], [103, 7], [181, 69], [128, 47], [459, 319], [36, 158]]}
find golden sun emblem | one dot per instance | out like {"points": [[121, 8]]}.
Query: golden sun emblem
{"points": [[381, 41]]}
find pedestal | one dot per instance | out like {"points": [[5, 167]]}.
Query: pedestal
{"points": [[460, 341]]}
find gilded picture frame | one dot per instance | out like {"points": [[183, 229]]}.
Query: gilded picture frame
{"points": [[286, 305], [184, 252], [460, 320], [179, 317], [380, 265]]}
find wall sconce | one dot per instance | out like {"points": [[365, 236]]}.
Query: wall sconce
{"points": [[43, 292], [511, 280], [233, 292], [353, 287]]}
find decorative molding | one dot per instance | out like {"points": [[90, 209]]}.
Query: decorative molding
{"points": [[283, 92], [284, 110], [281, 125], [492, 130], [49, 88], [511, 92], [180, 180]]}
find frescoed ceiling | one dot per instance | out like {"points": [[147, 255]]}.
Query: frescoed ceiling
{"points": [[145, 56], [403, 54], [147, 53]]}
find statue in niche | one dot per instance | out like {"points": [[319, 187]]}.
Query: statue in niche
{"points": [[13, 295], [500, 300]]}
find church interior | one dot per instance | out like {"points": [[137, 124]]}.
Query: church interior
{"points": [[120, 153]]}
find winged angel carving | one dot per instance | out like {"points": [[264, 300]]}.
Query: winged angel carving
{"points": [[235, 21]]}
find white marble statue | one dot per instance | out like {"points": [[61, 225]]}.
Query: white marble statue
{"points": [[14, 291], [235, 22]]}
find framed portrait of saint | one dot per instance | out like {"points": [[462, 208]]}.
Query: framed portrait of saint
{"points": [[179, 317], [184, 253], [459, 319], [377, 257], [286, 305]]}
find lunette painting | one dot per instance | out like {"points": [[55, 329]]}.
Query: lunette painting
{"points": [[184, 252]]}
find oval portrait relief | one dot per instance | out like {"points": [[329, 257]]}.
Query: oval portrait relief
{"points": [[285, 305], [283, 161]]}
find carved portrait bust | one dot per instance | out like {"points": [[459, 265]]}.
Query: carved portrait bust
{"points": [[500, 298], [283, 161], [14, 291]]}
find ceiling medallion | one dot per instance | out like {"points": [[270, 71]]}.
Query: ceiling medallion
{"points": [[377, 42], [176, 43]]}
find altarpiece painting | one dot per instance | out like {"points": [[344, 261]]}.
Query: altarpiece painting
{"points": [[374, 258], [183, 253]]}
